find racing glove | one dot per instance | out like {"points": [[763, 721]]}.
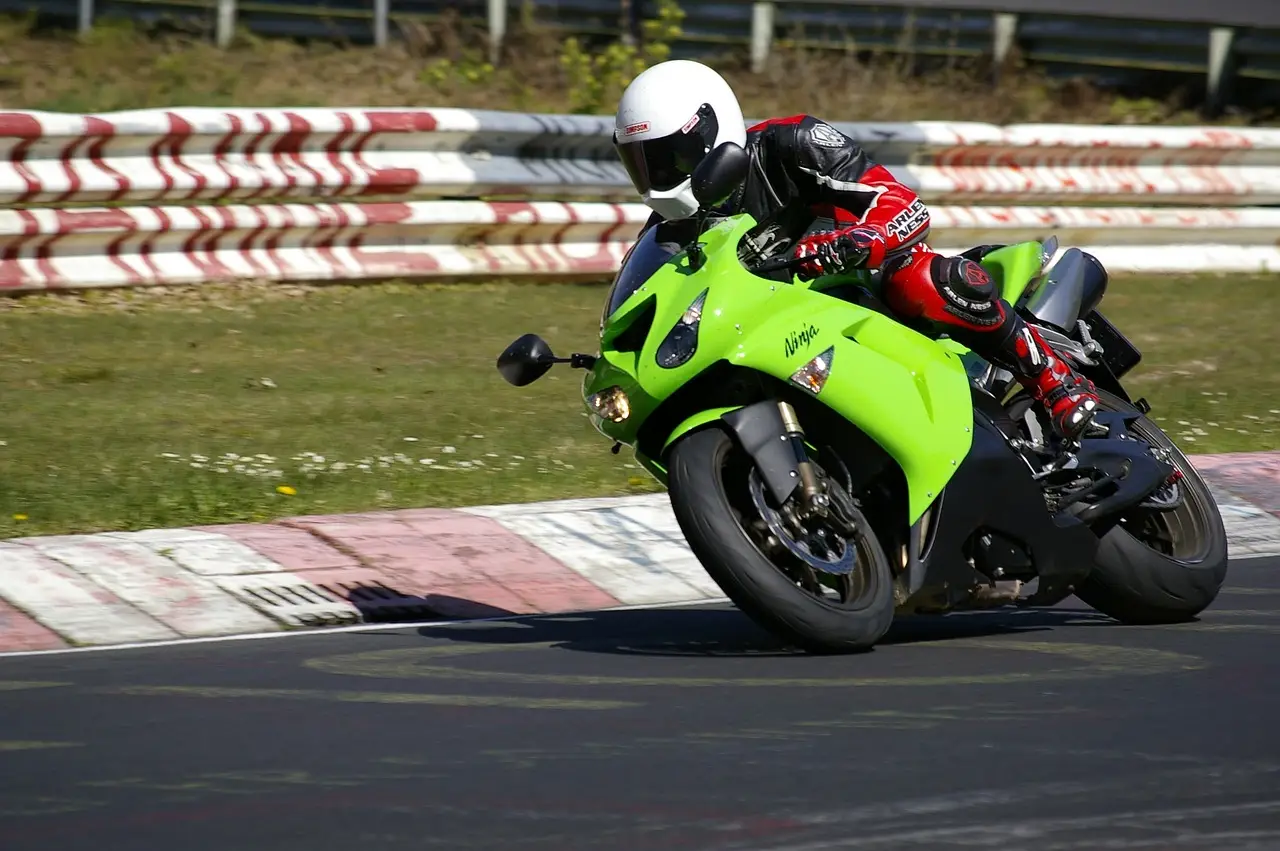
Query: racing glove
{"points": [[839, 251]]}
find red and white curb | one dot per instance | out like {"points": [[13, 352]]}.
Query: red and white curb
{"points": [[162, 585]]}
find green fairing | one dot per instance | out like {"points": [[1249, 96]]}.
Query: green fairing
{"points": [[906, 391], [1013, 268]]}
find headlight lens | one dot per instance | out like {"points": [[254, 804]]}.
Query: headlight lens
{"points": [[611, 403], [813, 375], [682, 341]]}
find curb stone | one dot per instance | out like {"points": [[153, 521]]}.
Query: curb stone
{"points": [[416, 564]]}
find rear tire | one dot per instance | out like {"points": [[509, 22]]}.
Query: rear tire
{"points": [[714, 530], [1136, 583]]}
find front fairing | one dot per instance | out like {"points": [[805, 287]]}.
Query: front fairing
{"points": [[901, 388], [668, 292], [658, 275]]}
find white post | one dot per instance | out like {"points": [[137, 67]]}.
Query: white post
{"points": [[761, 34], [226, 25], [1221, 42], [86, 16], [629, 22], [497, 28], [381, 11], [1003, 32]]}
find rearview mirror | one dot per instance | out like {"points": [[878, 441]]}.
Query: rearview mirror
{"points": [[720, 173], [526, 360]]}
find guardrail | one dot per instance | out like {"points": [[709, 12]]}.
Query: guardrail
{"points": [[191, 195]]}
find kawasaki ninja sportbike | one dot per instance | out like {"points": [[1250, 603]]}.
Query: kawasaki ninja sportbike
{"points": [[830, 466]]}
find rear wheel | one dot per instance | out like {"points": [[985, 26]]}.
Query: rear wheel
{"points": [[1160, 564], [769, 563]]}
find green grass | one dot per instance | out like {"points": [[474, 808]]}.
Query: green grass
{"points": [[97, 387]]}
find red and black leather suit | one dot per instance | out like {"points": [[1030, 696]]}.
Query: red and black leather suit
{"points": [[802, 169]]}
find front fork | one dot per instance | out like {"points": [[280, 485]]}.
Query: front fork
{"points": [[813, 496], [770, 432]]}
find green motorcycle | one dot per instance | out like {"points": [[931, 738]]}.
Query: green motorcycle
{"points": [[831, 467]]}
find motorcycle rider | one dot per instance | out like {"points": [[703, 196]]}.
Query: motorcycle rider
{"points": [[674, 113]]}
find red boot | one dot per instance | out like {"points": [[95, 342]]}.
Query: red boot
{"points": [[1069, 398], [959, 295]]}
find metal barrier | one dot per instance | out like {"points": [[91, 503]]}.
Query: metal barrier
{"points": [[133, 246], [206, 153], [1142, 198]]}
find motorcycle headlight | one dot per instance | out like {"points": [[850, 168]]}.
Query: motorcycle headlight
{"points": [[611, 403], [682, 340]]}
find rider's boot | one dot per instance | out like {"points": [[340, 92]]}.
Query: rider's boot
{"points": [[960, 295], [1068, 397]]}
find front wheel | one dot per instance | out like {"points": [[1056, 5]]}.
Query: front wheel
{"points": [[711, 486], [1160, 565]]}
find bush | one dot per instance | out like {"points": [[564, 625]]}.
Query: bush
{"points": [[596, 80]]}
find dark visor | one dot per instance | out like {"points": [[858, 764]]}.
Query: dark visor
{"points": [[667, 162]]}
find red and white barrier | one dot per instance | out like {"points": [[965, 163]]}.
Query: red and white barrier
{"points": [[243, 154], [130, 246], [1063, 163], [215, 194]]}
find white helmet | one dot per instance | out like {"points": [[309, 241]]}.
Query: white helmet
{"points": [[668, 119]]}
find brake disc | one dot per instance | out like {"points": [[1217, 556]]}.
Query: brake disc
{"points": [[841, 565]]}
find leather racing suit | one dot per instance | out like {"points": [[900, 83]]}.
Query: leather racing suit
{"points": [[803, 169]]}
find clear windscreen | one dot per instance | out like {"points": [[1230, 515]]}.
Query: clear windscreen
{"points": [[644, 258]]}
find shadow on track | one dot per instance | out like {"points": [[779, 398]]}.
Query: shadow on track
{"points": [[727, 632]]}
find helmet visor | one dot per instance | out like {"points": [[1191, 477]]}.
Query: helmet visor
{"points": [[661, 164], [665, 163]]}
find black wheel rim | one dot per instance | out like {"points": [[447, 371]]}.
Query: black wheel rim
{"points": [[849, 591], [1178, 533]]}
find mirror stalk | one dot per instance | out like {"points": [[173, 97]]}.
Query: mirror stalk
{"points": [[575, 361]]}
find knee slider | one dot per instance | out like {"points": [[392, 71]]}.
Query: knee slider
{"points": [[966, 279], [968, 290]]}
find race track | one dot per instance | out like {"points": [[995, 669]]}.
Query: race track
{"points": [[672, 729]]}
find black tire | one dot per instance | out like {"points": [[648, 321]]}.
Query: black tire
{"points": [[707, 517], [1137, 584]]}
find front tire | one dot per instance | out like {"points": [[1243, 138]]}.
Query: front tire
{"points": [[707, 491], [1160, 567]]}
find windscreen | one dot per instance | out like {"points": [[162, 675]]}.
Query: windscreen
{"points": [[644, 258]]}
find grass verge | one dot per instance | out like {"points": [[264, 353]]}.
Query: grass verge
{"points": [[130, 409]]}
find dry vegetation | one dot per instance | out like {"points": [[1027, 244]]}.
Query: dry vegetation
{"points": [[119, 66]]}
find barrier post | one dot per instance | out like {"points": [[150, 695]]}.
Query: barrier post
{"points": [[226, 25], [1218, 79], [381, 11], [629, 22], [762, 16], [85, 22], [1004, 32], [497, 28]]}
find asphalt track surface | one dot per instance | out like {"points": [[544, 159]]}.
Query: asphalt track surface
{"points": [[668, 729]]}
